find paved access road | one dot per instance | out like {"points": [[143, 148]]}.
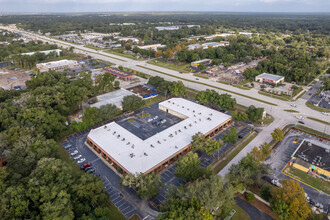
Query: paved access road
{"points": [[252, 211], [281, 117]]}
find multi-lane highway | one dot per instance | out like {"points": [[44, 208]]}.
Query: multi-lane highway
{"points": [[243, 97]]}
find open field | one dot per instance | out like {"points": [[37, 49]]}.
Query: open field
{"points": [[171, 66]]}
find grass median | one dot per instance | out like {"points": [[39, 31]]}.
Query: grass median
{"points": [[318, 120], [308, 180], [205, 84], [274, 96], [316, 108], [291, 110], [229, 155]]}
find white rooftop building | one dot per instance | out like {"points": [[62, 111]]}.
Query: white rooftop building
{"points": [[57, 65], [46, 52], [123, 149], [116, 98]]}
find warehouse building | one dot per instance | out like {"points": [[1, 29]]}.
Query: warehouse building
{"points": [[116, 98], [199, 62], [312, 156], [130, 154], [151, 46], [46, 52], [269, 78], [57, 65]]}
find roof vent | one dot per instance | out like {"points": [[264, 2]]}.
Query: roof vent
{"points": [[133, 146], [182, 106], [145, 154], [200, 113], [195, 122], [118, 136], [210, 114], [123, 139], [131, 155], [200, 119], [176, 147], [114, 133], [193, 111], [185, 127], [179, 130], [158, 142], [105, 126], [152, 145], [190, 125], [176, 133], [128, 143], [164, 139]]}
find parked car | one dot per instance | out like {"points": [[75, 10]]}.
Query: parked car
{"points": [[162, 121], [154, 118], [92, 170], [301, 122], [276, 183], [67, 146], [81, 160], [77, 157], [88, 168], [74, 153], [84, 166], [197, 79], [150, 119]]}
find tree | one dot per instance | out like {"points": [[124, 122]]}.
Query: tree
{"points": [[239, 116], [198, 142], [181, 209], [247, 171], [254, 114], [212, 145], [201, 67], [289, 201], [278, 134], [90, 116], [177, 88], [215, 196], [148, 186], [230, 137], [261, 153], [188, 167], [132, 102]]}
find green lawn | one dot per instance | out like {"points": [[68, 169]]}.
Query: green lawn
{"points": [[316, 108], [92, 47], [154, 100], [115, 213], [318, 120], [313, 181], [283, 98], [243, 143], [240, 214], [201, 76], [311, 131], [291, 110], [131, 56], [171, 66], [182, 78]]}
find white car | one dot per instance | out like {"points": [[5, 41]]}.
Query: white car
{"points": [[77, 157], [155, 117], [81, 160], [74, 153], [276, 183], [150, 119]]}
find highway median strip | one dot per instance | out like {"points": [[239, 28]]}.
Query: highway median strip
{"points": [[205, 84], [318, 120]]}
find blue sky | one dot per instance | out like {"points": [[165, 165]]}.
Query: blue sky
{"points": [[164, 5]]}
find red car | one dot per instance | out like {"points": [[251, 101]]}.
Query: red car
{"points": [[84, 166]]}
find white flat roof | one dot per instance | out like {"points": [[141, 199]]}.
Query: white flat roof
{"points": [[139, 156], [116, 97], [270, 76]]}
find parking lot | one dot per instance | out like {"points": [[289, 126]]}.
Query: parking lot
{"points": [[281, 156], [124, 198], [147, 122]]}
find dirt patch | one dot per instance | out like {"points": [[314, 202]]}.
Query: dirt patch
{"points": [[10, 78]]}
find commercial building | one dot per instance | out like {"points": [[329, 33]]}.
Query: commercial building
{"points": [[57, 65], [119, 73], [208, 44], [151, 46], [199, 62], [46, 52], [269, 78], [168, 28], [312, 156], [248, 34], [123, 149], [115, 98]]}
